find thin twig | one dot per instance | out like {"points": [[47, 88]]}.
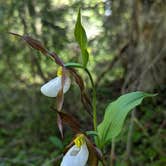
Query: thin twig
{"points": [[141, 127], [113, 62], [129, 137], [135, 38]]}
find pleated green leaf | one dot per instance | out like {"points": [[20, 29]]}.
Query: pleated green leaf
{"points": [[116, 113]]}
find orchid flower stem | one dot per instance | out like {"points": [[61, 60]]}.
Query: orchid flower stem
{"points": [[93, 100]]}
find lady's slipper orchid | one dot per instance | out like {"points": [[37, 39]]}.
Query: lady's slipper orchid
{"points": [[78, 154], [52, 88]]}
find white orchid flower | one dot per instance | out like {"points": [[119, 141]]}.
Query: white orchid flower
{"points": [[52, 88], [78, 154]]}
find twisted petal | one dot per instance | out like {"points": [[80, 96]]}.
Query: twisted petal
{"points": [[52, 87], [76, 156]]}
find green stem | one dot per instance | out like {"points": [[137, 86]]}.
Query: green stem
{"points": [[77, 65], [112, 156], [93, 100]]}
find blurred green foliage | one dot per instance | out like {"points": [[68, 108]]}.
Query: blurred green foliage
{"points": [[127, 53]]}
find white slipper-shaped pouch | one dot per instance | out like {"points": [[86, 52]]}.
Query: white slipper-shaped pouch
{"points": [[52, 87], [77, 155]]}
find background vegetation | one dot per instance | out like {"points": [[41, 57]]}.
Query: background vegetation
{"points": [[127, 53]]}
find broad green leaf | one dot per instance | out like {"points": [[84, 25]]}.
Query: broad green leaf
{"points": [[116, 113], [80, 33], [81, 38]]}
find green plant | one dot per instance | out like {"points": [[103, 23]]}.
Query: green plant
{"points": [[82, 150]]}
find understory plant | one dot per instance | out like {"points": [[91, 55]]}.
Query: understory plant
{"points": [[87, 147]]}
